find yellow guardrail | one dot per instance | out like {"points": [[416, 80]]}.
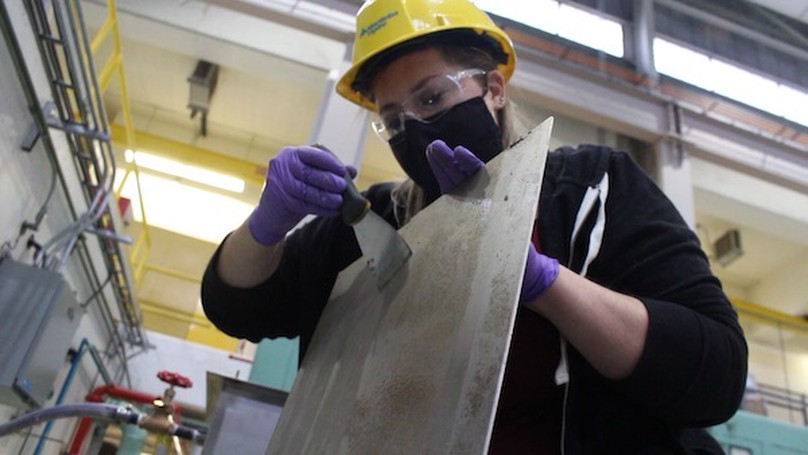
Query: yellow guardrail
{"points": [[770, 316], [113, 66], [198, 327]]}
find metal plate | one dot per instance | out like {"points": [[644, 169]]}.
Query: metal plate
{"points": [[240, 415], [417, 367]]}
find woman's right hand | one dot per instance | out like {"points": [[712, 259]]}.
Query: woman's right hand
{"points": [[300, 181]]}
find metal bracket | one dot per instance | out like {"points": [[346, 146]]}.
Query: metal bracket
{"points": [[30, 139], [54, 121]]}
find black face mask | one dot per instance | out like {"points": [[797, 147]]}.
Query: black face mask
{"points": [[469, 124]]}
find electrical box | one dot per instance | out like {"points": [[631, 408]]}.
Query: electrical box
{"points": [[728, 247], [203, 83], [39, 316]]}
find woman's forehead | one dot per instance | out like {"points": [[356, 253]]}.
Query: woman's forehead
{"points": [[403, 75]]}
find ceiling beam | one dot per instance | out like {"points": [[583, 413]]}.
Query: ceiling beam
{"points": [[640, 112], [216, 33]]}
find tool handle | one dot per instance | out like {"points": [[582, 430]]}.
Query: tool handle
{"points": [[354, 205]]}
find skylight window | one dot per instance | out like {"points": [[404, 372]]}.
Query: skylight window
{"points": [[569, 22], [731, 81]]}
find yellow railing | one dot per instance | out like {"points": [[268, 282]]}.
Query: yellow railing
{"points": [[770, 316], [139, 252]]}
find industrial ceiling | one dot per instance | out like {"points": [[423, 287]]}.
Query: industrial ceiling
{"points": [[265, 99]]}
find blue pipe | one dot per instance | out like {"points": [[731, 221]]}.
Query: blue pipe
{"points": [[74, 366]]}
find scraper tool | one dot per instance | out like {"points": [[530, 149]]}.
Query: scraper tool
{"points": [[386, 252]]}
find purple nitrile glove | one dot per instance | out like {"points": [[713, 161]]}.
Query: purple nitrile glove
{"points": [[451, 167], [300, 181], [540, 273]]}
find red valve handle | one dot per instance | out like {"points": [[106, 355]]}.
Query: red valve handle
{"points": [[175, 379]]}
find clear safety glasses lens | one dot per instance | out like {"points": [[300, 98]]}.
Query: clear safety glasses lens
{"points": [[427, 104]]}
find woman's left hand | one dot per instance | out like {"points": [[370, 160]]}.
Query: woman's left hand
{"points": [[540, 273], [451, 167]]}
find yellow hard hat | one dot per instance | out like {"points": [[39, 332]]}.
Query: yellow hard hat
{"points": [[382, 25]]}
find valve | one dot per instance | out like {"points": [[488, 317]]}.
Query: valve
{"points": [[175, 379], [162, 419]]}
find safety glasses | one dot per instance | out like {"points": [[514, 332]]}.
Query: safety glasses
{"points": [[427, 103]]}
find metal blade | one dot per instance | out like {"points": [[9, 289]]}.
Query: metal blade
{"points": [[383, 248]]}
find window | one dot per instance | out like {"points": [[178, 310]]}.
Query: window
{"points": [[731, 81], [569, 22]]}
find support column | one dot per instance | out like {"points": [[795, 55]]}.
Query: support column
{"points": [[642, 39], [341, 125], [675, 178]]}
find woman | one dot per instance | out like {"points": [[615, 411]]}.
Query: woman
{"points": [[623, 348]]}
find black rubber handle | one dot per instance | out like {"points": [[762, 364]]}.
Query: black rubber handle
{"points": [[185, 432], [354, 205]]}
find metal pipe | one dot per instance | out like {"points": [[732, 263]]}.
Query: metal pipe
{"points": [[98, 410], [106, 313], [84, 346], [74, 363], [642, 39]]}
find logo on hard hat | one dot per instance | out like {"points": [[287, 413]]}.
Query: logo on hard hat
{"points": [[377, 24]]}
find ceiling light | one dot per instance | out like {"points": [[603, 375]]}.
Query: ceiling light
{"points": [[185, 171], [185, 209]]}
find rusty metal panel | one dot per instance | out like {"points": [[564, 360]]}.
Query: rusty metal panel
{"points": [[417, 366]]}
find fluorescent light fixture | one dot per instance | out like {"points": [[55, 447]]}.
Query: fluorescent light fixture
{"points": [[184, 209], [730, 80], [185, 171], [574, 24]]}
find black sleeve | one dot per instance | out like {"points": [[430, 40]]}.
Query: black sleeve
{"points": [[693, 367], [290, 302]]}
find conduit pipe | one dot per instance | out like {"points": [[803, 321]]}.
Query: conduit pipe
{"points": [[97, 410], [74, 364]]}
